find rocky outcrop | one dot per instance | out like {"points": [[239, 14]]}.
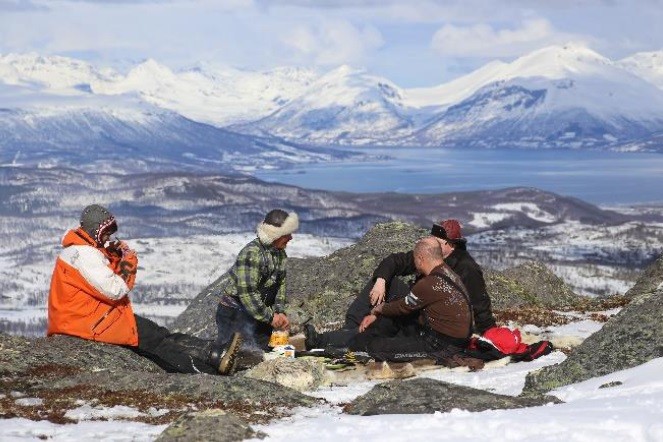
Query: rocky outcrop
{"points": [[63, 370], [318, 288], [216, 425], [299, 374], [632, 337], [199, 317], [422, 396], [650, 280], [529, 284], [321, 289], [19, 356]]}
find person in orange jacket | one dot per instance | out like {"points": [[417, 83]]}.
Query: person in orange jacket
{"points": [[89, 298]]}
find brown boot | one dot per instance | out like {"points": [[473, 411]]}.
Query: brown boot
{"points": [[224, 359]]}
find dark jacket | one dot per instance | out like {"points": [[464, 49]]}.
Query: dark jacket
{"points": [[462, 263]]}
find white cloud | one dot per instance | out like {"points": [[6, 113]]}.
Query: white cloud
{"points": [[332, 43], [483, 40]]}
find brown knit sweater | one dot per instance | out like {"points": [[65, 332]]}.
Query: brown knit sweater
{"points": [[442, 301]]}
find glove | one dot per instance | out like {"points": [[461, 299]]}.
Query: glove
{"points": [[128, 267]]}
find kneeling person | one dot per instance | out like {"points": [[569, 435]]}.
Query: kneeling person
{"points": [[253, 299], [444, 323]]}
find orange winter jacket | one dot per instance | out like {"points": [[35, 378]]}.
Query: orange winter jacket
{"points": [[88, 297]]}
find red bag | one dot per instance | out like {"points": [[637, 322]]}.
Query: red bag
{"points": [[499, 342], [505, 340]]}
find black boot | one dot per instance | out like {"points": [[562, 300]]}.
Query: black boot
{"points": [[312, 338], [224, 358]]}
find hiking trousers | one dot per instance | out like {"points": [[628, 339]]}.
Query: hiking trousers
{"points": [[361, 306], [231, 319], [411, 342], [174, 352]]}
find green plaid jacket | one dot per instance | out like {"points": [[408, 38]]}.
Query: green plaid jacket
{"points": [[255, 263]]}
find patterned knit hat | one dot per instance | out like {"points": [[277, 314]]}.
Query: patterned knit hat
{"points": [[97, 220], [276, 224]]}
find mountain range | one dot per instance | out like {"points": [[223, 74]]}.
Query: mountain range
{"points": [[556, 97]]}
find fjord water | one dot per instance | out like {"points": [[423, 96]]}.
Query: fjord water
{"points": [[602, 178]]}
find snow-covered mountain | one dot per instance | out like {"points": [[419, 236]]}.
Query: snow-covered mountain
{"points": [[561, 96], [648, 65], [345, 106], [211, 94], [205, 93], [53, 74], [59, 111], [126, 135]]}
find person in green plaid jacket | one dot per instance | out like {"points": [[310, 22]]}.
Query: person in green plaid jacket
{"points": [[253, 300]]}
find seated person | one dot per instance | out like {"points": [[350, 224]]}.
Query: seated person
{"points": [[441, 304], [89, 298], [253, 299], [385, 285]]}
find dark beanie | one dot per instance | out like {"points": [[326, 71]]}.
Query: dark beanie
{"points": [[97, 220]]}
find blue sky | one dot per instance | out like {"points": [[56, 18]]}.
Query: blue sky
{"points": [[411, 42]]}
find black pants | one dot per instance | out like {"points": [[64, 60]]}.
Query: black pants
{"points": [[174, 352], [229, 320], [410, 342], [360, 307]]}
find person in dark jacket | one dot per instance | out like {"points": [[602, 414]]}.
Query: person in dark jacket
{"points": [[253, 299], [385, 286], [438, 300]]}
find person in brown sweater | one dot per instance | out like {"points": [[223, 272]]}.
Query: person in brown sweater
{"points": [[444, 321]]}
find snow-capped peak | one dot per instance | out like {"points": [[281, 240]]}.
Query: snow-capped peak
{"points": [[147, 77], [52, 72], [348, 86], [346, 105], [648, 65], [559, 62]]}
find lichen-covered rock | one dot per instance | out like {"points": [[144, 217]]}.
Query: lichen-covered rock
{"points": [[321, 289], [529, 284], [62, 370], [216, 425], [199, 317], [422, 396], [20, 355], [630, 338], [650, 280], [299, 374], [227, 389]]}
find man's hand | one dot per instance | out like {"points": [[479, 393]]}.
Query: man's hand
{"points": [[280, 322], [377, 310], [378, 291], [366, 322], [128, 267], [124, 248], [119, 248]]}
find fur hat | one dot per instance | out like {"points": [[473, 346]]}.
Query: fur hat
{"points": [[448, 229], [97, 220], [276, 224]]}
